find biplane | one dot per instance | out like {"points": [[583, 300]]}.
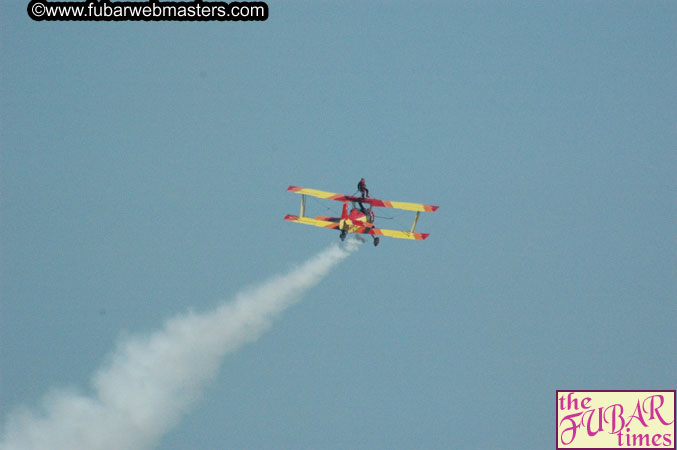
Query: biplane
{"points": [[356, 217]]}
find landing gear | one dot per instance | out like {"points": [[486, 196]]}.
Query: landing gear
{"points": [[343, 235], [376, 241]]}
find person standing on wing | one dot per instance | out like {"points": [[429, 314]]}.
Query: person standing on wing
{"points": [[362, 187]]}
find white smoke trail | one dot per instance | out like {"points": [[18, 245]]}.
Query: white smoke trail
{"points": [[150, 381]]}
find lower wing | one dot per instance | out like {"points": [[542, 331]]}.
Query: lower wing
{"points": [[398, 234], [314, 222], [333, 223], [390, 233]]}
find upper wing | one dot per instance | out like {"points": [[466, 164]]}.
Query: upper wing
{"points": [[371, 201], [314, 222], [400, 205], [320, 194]]}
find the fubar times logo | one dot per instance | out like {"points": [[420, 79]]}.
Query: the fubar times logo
{"points": [[615, 420]]}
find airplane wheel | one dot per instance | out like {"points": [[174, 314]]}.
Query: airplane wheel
{"points": [[376, 241], [343, 236]]}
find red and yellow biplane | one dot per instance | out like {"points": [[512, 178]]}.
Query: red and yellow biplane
{"points": [[358, 218]]}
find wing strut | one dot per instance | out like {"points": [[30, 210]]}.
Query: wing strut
{"points": [[418, 213], [303, 205]]}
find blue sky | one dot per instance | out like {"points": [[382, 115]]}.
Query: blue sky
{"points": [[144, 168]]}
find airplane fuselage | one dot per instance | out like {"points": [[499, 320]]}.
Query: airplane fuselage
{"points": [[355, 222]]}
